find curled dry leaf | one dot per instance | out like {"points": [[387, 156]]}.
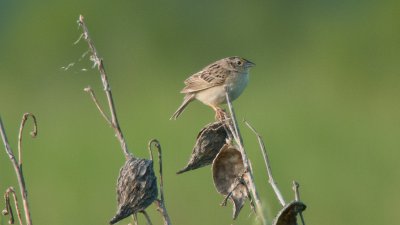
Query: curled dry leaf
{"points": [[136, 188], [229, 176], [208, 143], [287, 215]]}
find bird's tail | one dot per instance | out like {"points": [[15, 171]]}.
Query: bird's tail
{"points": [[188, 98]]}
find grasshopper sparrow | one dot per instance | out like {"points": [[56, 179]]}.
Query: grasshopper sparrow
{"points": [[208, 85]]}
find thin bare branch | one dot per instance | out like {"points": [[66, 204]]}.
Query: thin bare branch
{"points": [[156, 143], [302, 218], [18, 171], [135, 219], [91, 92], [97, 61], [161, 208], [239, 140], [160, 203], [78, 40], [296, 187], [267, 165], [6, 144], [107, 89], [21, 128], [147, 218], [8, 209]]}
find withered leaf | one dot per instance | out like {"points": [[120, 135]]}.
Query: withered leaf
{"points": [[208, 143], [136, 188], [229, 176]]}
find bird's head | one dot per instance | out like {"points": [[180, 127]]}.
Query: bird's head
{"points": [[238, 63]]}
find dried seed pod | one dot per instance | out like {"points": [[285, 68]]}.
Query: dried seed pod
{"points": [[136, 188], [230, 178], [287, 215], [208, 143]]}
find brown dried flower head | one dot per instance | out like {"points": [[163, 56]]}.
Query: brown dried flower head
{"points": [[136, 188], [208, 143], [230, 178]]}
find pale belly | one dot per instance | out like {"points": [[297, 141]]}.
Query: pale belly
{"points": [[216, 95]]}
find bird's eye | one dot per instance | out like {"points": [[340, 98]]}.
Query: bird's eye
{"points": [[239, 63]]}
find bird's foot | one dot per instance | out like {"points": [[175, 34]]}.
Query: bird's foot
{"points": [[220, 115]]}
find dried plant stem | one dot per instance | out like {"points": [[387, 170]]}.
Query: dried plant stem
{"points": [[21, 127], [238, 138], [107, 89], [297, 198], [113, 122], [8, 209], [267, 165], [135, 219], [18, 164], [160, 203], [163, 210], [295, 188], [147, 217], [96, 102]]}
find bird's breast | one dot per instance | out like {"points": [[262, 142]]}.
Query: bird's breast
{"points": [[215, 96], [238, 84]]}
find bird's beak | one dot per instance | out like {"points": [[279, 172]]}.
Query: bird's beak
{"points": [[249, 64]]}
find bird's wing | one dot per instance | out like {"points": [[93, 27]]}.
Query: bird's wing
{"points": [[211, 76]]}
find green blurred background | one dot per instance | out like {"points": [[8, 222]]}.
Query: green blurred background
{"points": [[324, 95]]}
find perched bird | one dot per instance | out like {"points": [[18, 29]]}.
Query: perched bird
{"points": [[208, 85]]}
